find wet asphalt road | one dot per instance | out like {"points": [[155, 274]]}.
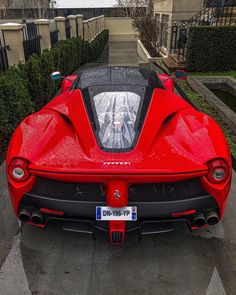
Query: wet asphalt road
{"points": [[52, 262]]}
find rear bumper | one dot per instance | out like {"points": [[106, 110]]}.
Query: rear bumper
{"points": [[148, 212]]}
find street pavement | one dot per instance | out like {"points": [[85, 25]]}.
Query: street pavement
{"points": [[53, 262]]}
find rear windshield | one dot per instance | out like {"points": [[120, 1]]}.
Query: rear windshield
{"points": [[116, 113]]}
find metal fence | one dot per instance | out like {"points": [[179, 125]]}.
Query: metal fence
{"points": [[3, 56], [68, 28], [179, 41], [212, 15], [77, 28], [54, 37], [216, 13], [31, 41], [53, 33]]}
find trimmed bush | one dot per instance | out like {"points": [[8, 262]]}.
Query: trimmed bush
{"points": [[15, 103], [211, 48], [28, 87], [65, 57]]}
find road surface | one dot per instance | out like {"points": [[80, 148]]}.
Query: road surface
{"points": [[52, 262]]}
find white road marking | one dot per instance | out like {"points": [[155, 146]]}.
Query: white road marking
{"points": [[215, 286], [13, 280]]}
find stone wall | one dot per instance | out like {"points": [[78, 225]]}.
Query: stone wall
{"points": [[198, 84]]}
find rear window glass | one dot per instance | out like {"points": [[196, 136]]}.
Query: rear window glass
{"points": [[116, 113]]}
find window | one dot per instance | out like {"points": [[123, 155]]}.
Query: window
{"points": [[116, 113]]}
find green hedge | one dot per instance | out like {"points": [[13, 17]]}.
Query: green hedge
{"points": [[27, 88], [211, 48], [15, 102]]}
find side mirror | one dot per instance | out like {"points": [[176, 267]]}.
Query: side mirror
{"points": [[181, 75], [56, 76]]}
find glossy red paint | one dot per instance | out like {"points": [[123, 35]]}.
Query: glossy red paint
{"points": [[68, 82], [175, 143], [117, 193], [167, 82]]}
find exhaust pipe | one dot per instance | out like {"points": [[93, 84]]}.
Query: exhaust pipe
{"points": [[24, 215], [199, 220], [36, 218], [212, 218]]}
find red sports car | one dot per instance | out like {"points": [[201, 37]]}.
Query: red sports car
{"points": [[119, 151]]}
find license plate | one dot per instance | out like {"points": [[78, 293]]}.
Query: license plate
{"points": [[109, 213]]}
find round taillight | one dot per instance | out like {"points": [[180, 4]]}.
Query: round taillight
{"points": [[18, 170], [218, 171]]}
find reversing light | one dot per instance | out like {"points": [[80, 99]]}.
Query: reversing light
{"points": [[218, 171], [18, 170]]}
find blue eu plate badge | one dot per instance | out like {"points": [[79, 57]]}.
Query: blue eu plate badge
{"points": [[123, 214]]}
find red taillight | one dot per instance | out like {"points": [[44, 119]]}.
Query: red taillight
{"points": [[218, 171], [18, 170]]}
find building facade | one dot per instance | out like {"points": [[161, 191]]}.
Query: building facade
{"points": [[169, 12]]}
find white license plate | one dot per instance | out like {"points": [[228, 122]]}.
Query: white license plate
{"points": [[109, 213]]}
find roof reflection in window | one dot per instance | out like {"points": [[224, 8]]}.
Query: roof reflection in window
{"points": [[116, 113]]}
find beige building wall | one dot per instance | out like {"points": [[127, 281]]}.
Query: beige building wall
{"points": [[185, 9], [164, 6], [175, 11], [178, 9], [120, 29]]}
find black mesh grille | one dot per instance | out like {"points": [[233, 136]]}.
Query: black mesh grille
{"points": [[94, 192], [91, 192], [154, 192]]}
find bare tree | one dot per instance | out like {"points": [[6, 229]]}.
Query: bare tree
{"points": [[148, 27], [6, 5], [39, 7]]}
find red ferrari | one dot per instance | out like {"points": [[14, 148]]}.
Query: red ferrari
{"points": [[119, 151]]}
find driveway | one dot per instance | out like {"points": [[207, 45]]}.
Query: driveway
{"points": [[52, 262]]}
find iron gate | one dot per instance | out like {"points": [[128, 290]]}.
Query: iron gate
{"points": [[54, 37], [68, 33], [31, 41], [3, 55], [53, 33], [179, 41], [77, 29]]}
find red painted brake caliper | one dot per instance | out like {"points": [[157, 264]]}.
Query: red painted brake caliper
{"points": [[117, 197]]}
